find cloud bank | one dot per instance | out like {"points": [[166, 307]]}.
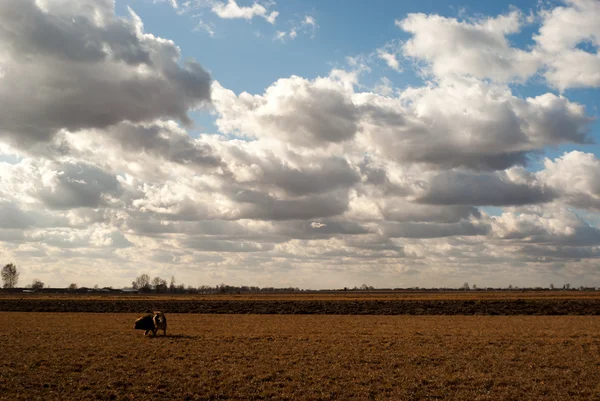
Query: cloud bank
{"points": [[315, 182]]}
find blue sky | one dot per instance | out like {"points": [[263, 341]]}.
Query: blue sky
{"points": [[242, 61], [312, 144]]}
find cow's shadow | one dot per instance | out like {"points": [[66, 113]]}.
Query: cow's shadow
{"points": [[170, 337]]}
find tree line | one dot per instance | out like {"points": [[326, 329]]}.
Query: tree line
{"points": [[143, 283]]}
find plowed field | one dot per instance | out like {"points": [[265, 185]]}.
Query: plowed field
{"points": [[391, 303], [84, 356]]}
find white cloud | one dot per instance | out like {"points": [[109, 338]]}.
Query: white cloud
{"points": [[307, 26], [477, 48], [577, 176], [390, 59], [312, 182], [480, 47], [205, 26], [301, 111], [280, 35], [173, 3], [231, 10], [562, 30], [390, 53], [466, 122]]}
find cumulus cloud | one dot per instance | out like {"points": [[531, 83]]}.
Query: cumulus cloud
{"points": [[483, 189], [551, 227], [164, 139], [576, 175], [484, 125], [565, 50], [232, 10], [60, 185], [298, 110], [478, 48], [434, 230], [316, 176], [12, 217], [563, 29], [96, 70], [468, 123]]}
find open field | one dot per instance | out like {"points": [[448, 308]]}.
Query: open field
{"points": [[340, 303], [78, 356], [380, 295]]}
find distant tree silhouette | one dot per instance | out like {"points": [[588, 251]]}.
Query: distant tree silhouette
{"points": [[142, 283], [159, 284], [72, 287], [37, 284], [10, 276]]}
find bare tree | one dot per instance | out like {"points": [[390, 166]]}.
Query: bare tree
{"points": [[10, 276], [142, 283], [172, 286], [37, 284], [159, 284]]}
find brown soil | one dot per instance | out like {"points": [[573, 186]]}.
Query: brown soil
{"points": [[373, 303], [47, 356]]}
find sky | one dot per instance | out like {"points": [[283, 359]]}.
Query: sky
{"points": [[311, 144]]}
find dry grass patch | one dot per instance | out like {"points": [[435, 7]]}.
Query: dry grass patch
{"points": [[210, 357]]}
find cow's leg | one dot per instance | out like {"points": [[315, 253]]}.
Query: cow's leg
{"points": [[146, 332]]}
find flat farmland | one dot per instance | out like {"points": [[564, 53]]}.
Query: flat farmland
{"points": [[334, 303], [75, 356]]}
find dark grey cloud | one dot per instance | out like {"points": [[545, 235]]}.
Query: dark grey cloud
{"points": [[12, 217], [278, 170], [378, 179], [164, 141], [549, 254], [12, 236], [444, 140], [82, 67], [79, 185], [483, 189], [374, 243], [29, 31], [262, 206], [330, 174], [320, 229], [400, 210], [212, 245], [434, 230]]}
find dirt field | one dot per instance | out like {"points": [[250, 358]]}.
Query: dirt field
{"points": [[380, 295], [340, 303], [75, 356]]}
